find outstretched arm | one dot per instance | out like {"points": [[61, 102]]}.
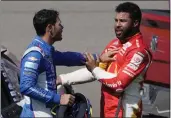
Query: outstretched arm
{"points": [[68, 58], [82, 75], [76, 77]]}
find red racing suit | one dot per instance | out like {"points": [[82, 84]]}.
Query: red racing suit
{"points": [[122, 77], [130, 66]]}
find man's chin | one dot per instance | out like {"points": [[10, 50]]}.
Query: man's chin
{"points": [[119, 36], [59, 39]]}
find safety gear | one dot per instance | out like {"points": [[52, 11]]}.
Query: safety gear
{"points": [[128, 71], [126, 74], [81, 108], [38, 76]]}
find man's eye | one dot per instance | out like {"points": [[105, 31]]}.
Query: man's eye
{"points": [[123, 20]]}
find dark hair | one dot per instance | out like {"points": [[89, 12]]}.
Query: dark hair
{"points": [[131, 8], [42, 18]]}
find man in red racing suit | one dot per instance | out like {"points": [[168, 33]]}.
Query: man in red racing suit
{"points": [[129, 69], [121, 79]]}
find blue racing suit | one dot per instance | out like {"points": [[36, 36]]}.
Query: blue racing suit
{"points": [[38, 76]]}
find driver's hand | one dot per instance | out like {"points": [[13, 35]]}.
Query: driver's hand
{"points": [[67, 99], [109, 55], [91, 63]]}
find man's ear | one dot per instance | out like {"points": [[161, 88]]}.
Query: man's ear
{"points": [[136, 23], [49, 28]]}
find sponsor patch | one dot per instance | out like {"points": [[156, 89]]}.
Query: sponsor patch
{"points": [[137, 43], [136, 59], [141, 54], [114, 85], [126, 45], [31, 65], [119, 83], [27, 73], [32, 59], [129, 70], [132, 66], [29, 69], [128, 73]]}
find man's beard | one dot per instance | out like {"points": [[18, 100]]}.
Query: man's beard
{"points": [[57, 37], [125, 34]]}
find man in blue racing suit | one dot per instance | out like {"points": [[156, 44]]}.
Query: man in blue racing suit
{"points": [[38, 73]]}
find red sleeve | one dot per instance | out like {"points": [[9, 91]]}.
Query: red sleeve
{"points": [[134, 64]]}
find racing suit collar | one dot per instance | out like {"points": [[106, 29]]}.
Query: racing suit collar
{"points": [[49, 47], [135, 36]]}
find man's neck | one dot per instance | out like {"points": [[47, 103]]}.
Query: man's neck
{"points": [[47, 40]]}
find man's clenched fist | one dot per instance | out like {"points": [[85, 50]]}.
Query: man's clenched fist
{"points": [[67, 99]]}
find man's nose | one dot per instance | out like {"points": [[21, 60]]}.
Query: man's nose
{"points": [[118, 24], [61, 26]]}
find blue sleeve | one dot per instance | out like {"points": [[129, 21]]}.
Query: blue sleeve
{"points": [[28, 79], [68, 58]]}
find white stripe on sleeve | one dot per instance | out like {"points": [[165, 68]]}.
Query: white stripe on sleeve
{"points": [[99, 73], [77, 77]]}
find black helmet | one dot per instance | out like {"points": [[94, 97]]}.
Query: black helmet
{"points": [[82, 108]]}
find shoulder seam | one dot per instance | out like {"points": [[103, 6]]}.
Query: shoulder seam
{"points": [[35, 48]]}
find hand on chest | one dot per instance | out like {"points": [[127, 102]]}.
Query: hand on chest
{"points": [[121, 55]]}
